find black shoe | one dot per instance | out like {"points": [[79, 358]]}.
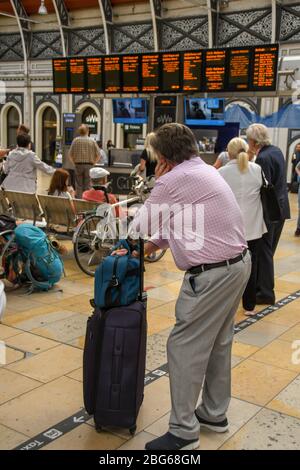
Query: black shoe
{"points": [[170, 442], [216, 427], [264, 301], [297, 233]]}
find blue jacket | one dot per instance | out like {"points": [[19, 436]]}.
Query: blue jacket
{"points": [[272, 161]]}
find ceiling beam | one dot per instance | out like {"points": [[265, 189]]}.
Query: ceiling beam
{"points": [[63, 21], [106, 14], [156, 12], [24, 29]]}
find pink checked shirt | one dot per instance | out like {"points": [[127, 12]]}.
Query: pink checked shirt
{"points": [[193, 211]]}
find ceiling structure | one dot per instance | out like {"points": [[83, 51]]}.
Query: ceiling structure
{"points": [[32, 6]]}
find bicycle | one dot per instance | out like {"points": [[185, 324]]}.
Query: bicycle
{"points": [[99, 230]]}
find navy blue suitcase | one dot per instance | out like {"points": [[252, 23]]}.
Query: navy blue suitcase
{"points": [[114, 362]]}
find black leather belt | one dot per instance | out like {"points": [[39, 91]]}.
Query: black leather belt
{"points": [[206, 267]]}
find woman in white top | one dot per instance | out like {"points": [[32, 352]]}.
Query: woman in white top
{"points": [[21, 167], [245, 180]]}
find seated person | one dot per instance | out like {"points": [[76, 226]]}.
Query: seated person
{"points": [[59, 186], [97, 192]]}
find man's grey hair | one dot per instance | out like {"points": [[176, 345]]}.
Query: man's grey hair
{"points": [[259, 133]]}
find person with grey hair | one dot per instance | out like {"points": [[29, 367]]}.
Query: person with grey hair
{"points": [[213, 253], [272, 162]]}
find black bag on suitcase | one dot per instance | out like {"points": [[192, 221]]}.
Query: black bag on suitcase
{"points": [[114, 362]]}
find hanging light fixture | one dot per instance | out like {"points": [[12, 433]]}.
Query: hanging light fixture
{"points": [[43, 10]]}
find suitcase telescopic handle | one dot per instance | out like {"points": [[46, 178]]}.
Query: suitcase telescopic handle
{"points": [[142, 264]]}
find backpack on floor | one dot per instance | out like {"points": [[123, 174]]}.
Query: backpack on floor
{"points": [[117, 279], [42, 264]]}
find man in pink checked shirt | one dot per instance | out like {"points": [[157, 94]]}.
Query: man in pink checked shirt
{"points": [[193, 211]]}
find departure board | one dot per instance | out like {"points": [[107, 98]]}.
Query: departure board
{"points": [[265, 60], [239, 62], [192, 71], [131, 73], [171, 72], [232, 69], [112, 74], [60, 75], [94, 74], [77, 75], [215, 67], [150, 73]]}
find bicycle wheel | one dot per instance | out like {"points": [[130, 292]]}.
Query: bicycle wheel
{"points": [[89, 250]]}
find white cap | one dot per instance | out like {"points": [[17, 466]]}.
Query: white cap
{"points": [[97, 172]]}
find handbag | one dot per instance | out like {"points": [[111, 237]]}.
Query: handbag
{"points": [[271, 207]]}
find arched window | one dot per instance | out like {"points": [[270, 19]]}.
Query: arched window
{"points": [[13, 121], [49, 125], [89, 117]]}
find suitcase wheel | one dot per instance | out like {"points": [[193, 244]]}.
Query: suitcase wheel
{"points": [[98, 429], [132, 430]]}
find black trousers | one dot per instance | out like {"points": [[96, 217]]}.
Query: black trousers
{"points": [[249, 297], [265, 265]]}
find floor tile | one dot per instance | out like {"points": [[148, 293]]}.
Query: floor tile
{"points": [[38, 321], [235, 360], [137, 442], [152, 408], [288, 315], [288, 401], [76, 374], [49, 364], [166, 294], [18, 317], [84, 437], [158, 323], [13, 385], [243, 350], [260, 333], [258, 383], [286, 286], [12, 356], [40, 409], [156, 351], [78, 342], [291, 335], [268, 430], [31, 343], [9, 439], [64, 330], [279, 354], [167, 310], [8, 332]]}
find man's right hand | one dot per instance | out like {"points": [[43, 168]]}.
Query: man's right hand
{"points": [[162, 168]]}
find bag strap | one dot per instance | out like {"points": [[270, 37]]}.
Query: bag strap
{"points": [[44, 285], [142, 264], [265, 183]]}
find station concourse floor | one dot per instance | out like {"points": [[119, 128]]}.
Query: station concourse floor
{"points": [[41, 383]]}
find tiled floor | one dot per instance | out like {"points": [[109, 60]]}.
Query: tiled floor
{"points": [[41, 382]]}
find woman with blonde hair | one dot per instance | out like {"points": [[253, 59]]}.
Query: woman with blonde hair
{"points": [[245, 181]]}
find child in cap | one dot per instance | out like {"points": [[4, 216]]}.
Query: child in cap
{"points": [[98, 178]]}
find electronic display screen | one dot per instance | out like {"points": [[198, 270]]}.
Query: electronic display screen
{"points": [[192, 71], [204, 111], [215, 67], [171, 72], [130, 111], [234, 69], [131, 73], [150, 73], [239, 62], [112, 74], [94, 74], [60, 76], [77, 75], [265, 62]]}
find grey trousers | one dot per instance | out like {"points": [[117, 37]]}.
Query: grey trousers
{"points": [[82, 178], [199, 346]]}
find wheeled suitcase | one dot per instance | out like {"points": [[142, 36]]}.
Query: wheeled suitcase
{"points": [[114, 362]]}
